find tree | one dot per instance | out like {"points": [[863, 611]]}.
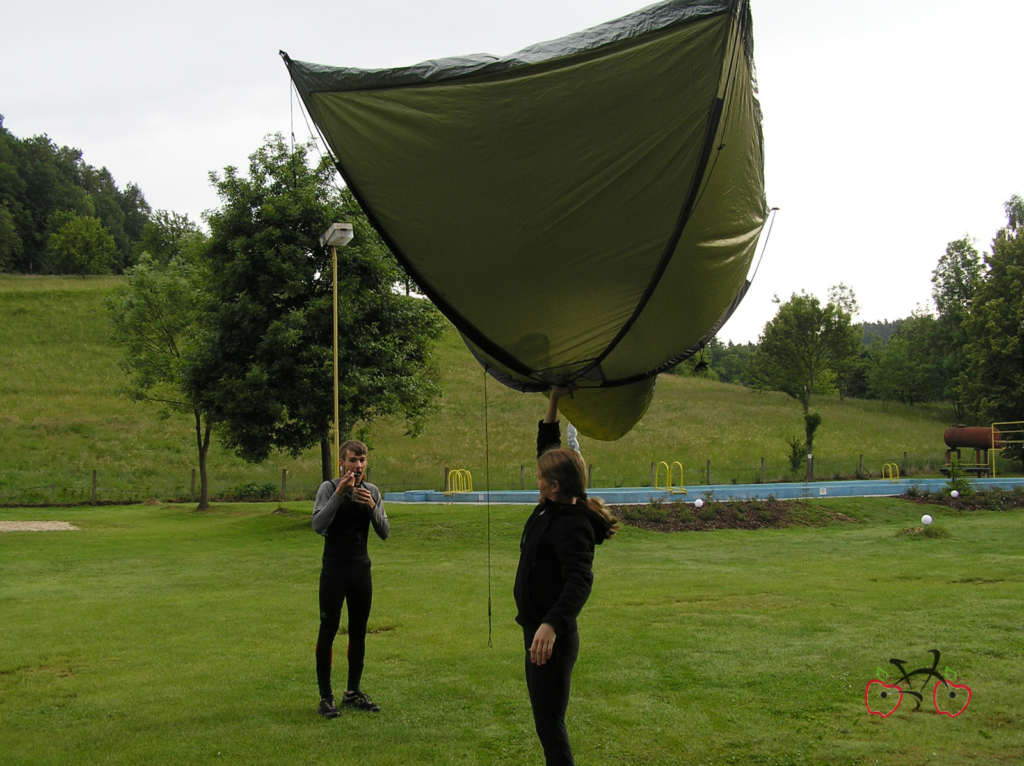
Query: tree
{"points": [[733, 361], [166, 234], [845, 341], [157, 317], [956, 277], [266, 373], [954, 283], [804, 346], [909, 367], [40, 180], [136, 211], [10, 241], [993, 379], [79, 244]]}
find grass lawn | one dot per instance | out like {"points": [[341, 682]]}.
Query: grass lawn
{"points": [[155, 634]]}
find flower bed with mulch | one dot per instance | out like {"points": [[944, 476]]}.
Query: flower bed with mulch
{"points": [[988, 500], [734, 514]]}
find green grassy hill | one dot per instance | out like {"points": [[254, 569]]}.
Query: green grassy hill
{"points": [[62, 418]]}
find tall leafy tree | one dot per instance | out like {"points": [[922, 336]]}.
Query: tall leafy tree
{"points": [[956, 278], [844, 339], [266, 374], [12, 192], [10, 240], [79, 244], [166, 234], [803, 348], [157, 315], [732, 361], [993, 379], [955, 281], [909, 367]]}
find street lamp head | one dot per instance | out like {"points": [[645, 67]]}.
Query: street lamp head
{"points": [[337, 235]]}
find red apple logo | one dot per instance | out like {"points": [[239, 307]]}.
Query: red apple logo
{"points": [[886, 698], [949, 697]]}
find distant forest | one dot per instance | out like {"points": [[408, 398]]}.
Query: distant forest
{"points": [[731, 362], [61, 215]]}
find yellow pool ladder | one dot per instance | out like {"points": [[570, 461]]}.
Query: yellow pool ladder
{"points": [[459, 480], [669, 472]]}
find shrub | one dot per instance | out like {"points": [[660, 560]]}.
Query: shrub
{"points": [[796, 453], [251, 491], [957, 480], [708, 512]]}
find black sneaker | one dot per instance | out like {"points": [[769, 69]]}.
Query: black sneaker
{"points": [[327, 708], [359, 701]]}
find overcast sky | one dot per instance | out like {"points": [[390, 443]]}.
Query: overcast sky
{"points": [[890, 127]]}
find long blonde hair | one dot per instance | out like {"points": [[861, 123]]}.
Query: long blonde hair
{"points": [[565, 466]]}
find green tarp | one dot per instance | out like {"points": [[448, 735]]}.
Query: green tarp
{"points": [[585, 211]]}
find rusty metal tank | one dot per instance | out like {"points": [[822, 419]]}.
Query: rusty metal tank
{"points": [[978, 437]]}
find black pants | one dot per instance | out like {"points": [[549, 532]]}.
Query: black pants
{"points": [[548, 685], [349, 582]]}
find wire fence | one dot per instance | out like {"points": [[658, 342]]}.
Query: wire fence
{"points": [[265, 483]]}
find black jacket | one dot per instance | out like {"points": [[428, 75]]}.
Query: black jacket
{"points": [[345, 524], [556, 555]]}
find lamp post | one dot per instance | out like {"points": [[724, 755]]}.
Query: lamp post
{"points": [[337, 235]]}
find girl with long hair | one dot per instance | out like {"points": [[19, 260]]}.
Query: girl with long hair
{"points": [[554, 579]]}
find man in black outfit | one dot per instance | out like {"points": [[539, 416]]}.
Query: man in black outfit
{"points": [[342, 513]]}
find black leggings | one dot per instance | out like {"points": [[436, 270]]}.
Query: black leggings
{"points": [[351, 582], [549, 695]]}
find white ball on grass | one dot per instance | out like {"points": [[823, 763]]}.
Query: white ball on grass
{"points": [[699, 502], [927, 519], [955, 493]]}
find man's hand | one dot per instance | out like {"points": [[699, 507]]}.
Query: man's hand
{"points": [[348, 480], [359, 494]]}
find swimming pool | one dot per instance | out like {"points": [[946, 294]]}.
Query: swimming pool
{"points": [[780, 491]]}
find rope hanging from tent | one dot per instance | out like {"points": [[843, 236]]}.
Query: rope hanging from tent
{"points": [[316, 136], [764, 245], [487, 485]]}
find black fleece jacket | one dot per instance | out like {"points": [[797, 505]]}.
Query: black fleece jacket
{"points": [[556, 556]]}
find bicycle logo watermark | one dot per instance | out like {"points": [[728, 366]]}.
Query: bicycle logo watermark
{"points": [[883, 695]]}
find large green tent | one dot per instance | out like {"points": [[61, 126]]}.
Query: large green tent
{"points": [[585, 211]]}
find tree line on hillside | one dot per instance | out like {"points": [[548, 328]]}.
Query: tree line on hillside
{"points": [[968, 351], [60, 215]]}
